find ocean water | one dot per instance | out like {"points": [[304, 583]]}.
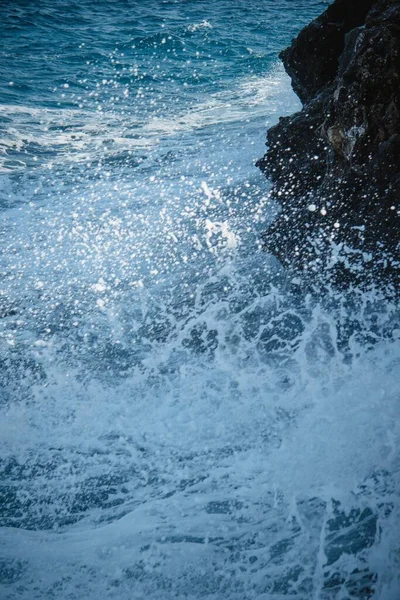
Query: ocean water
{"points": [[178, 418]]}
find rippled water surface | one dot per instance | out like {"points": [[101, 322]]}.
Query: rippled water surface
{"points": [[177, 419]]}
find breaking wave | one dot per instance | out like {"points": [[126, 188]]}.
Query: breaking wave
{"points": [[179, 419]]}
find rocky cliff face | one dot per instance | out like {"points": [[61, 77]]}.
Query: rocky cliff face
{"points": [[335, 166]]}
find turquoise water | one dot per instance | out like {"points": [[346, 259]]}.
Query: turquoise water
{"points": [[178, 420]]}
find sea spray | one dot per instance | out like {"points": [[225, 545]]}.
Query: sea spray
{"points": [[179, 419]]}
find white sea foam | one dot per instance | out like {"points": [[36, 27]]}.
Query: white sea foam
{"points": [[224, 454], [175, 424], [80, 135], [254, 97], [202, 25]]}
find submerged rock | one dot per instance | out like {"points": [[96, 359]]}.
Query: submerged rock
{"points": [[335, 165]]}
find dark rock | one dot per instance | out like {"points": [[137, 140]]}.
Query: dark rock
{"points": [[312, 59], [335, 166]]}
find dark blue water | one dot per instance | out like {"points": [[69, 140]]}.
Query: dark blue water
{"points": [[177, 419]]}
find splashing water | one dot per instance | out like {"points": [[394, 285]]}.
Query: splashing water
{"points": [[177, 419]]}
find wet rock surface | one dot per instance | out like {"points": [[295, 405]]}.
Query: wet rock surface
{"points": [[335, 165]]}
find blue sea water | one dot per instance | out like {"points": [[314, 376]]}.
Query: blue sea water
{"points": [[178, 420]]}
